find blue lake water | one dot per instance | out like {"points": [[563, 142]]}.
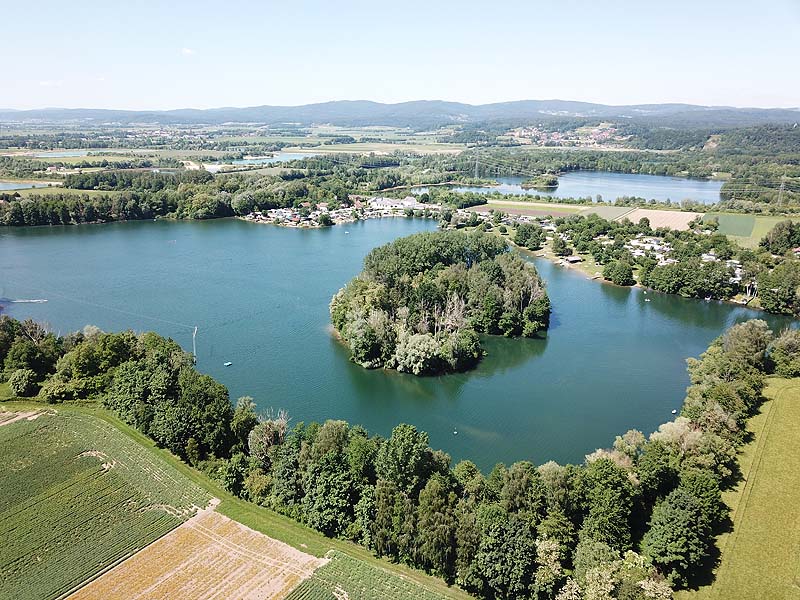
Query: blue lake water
{"points": [[19, 185], [579, 184], [259, 295]]}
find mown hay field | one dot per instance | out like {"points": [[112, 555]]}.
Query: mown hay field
{"points": [[674, 219], [76, 497], [348, 577], [208, 556]]}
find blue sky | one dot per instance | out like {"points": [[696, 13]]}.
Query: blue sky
{"points": [[155, 55]]}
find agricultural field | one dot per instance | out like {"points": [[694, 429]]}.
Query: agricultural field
{"points": [[382, 148], [347, 577], [761, 556], [673, 219], [612, 213], [209, 555], [76, 497], [57, 190], [747, 230], [536, 209]]}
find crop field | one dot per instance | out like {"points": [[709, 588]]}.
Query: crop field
{"points": [[761, 556], [673, 219], [612, 213], [747, 230], [209, 555], [529, 208], [76, 497], [383, 148], [347, 577], [58, 190]]}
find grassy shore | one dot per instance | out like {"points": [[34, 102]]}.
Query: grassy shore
{"points": [[761, 556]]}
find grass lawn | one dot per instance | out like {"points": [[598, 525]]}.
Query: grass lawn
{"points": [[261, 519], [761, 556]]}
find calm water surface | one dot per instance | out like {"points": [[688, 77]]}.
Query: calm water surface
{"points": [[259, 295], [579, 184], [19, 185]]}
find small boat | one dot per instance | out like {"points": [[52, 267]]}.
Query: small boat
{"points": [[455, 432], [647, 299], [347, 233], [227, 364], [674, 412]]}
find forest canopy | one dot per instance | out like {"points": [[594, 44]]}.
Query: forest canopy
{"points": [[421, 301]]}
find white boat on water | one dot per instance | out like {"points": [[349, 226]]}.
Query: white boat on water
{"points": [[227, 364]]}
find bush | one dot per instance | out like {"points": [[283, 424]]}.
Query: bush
{"points": [[23, 382]]}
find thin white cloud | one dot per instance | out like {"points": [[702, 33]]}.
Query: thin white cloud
{"points": [[187, 51], [51, 83]]}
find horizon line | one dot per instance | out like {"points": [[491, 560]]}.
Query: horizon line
{"points": [[250, 106]]}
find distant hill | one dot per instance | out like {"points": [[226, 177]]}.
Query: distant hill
{"points": [[420, 114]]}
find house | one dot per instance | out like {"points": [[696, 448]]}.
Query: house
{"points": [[573, 259]]}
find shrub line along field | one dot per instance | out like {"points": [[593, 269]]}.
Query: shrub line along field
{"points": [[760, 558], [41, 579]]}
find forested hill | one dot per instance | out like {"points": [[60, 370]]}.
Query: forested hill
{"points": [[420, 114]]}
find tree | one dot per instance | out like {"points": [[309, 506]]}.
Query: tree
{"points": [[243, 422], [678, 536], [403, 459], [506, 559], [329, 500], [437, 527], [619, 272], [784, 353], [270, 432], [559, 246]]}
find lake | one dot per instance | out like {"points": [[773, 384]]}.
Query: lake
{"points": [[19, 185], [62, 153], [276, 158], [259, 295], [579, 184]]}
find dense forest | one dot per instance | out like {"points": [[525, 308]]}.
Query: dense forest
{"points": [[630, 522], [421, 301]]}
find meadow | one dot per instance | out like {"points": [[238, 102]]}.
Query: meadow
{"points": [[760, 557]]}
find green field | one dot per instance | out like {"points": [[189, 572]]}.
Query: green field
{"points": [[761, 556], [346, 577], [747, 230], [258, 518], [77, 496]]}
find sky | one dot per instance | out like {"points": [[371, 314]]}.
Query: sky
{"points": [[176, 54]]}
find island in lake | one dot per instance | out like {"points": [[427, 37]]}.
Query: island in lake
{"points": [[421, 301], [545, 181]]}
